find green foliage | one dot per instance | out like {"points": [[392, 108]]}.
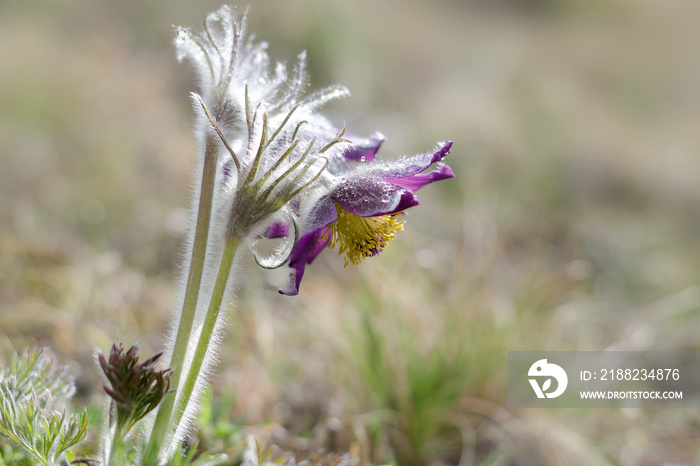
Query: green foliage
{"points": [[35, 372], [215, 429], [416, 374], [11, 457], [192, 458], [30, 389], [258, 455]]}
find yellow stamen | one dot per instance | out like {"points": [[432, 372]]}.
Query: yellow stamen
{"points": [[360, 237]]}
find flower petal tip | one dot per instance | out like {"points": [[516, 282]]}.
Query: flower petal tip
{"points": [[408, 200], [292, 288], [288, 292], [444, 149]]}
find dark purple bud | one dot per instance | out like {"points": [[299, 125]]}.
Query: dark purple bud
{"points": [[135, 388]]}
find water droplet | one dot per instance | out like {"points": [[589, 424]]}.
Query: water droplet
{"points": [[363, 159]]}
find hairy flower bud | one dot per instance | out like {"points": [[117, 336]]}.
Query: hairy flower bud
{"points": [[135, 389]]}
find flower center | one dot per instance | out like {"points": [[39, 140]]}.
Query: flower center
{"points": [[359, 237]]}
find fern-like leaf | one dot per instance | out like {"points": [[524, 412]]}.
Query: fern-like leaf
{"points": [[30, 388]]}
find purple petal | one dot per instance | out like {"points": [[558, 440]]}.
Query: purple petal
{"points": [[310, 244], [369, 197], [321, 214], [363, 149], [303, 250], [408, 166], [407, 200], [415, 182], [442, 152], [320, 245]]}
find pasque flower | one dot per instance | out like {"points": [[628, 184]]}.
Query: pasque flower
{"points": [[264, 144], [360, 207], [273, 167]]}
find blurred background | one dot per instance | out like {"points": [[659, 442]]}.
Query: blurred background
{"points": [[572, 224]]}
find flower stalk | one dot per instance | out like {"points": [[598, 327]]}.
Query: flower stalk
{"points": [[187, 388], [194, 282]]}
